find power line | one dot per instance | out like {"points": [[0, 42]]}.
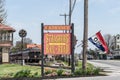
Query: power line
{"points": [[73, 6]]}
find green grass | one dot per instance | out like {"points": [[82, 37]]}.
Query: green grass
{"points": [[8, 70], [80, 65]]}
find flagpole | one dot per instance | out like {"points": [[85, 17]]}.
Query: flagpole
{"points": [[88, 39]]}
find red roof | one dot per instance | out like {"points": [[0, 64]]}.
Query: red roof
{"points": [[34, 45], [6, 28], [5, 45]]}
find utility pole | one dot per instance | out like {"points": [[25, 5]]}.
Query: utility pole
{"points": [[85, 35], [65, 16], [70, 6], [70, 11]]}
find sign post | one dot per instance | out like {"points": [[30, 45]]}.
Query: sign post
{"points": [[72, 48], [42, 50], [22, 34]]}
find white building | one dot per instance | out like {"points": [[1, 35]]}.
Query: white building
{"points": [[116, 51]]}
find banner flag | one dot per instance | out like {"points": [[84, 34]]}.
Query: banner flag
{"points": [[99, 42]]}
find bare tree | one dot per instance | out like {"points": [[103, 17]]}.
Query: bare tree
{"points": [[3, 13], [109, 40]]}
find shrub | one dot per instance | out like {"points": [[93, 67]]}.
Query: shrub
{"points": [[90, 71], [23, 73], [26, 73], [48, 72], [97, 71], [36, 75], [59, 72], [78, 72]]}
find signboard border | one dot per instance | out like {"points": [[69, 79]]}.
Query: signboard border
{"points": [[58, 53]]}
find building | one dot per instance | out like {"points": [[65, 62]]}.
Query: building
{"points": [[116, 51], [27, 40], [6, 42], [34, 46]]}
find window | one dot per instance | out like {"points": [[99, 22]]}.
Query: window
{"points": [[118, 46], [118, 37]]}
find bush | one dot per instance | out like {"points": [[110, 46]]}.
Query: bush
{"points": [[59, 72], [89, 71], [26, 73], [48, 72], [78, 72], [36, 75], [23, 73], [97, 71]]}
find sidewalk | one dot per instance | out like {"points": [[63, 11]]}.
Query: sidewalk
{"points": [[93, 78]]}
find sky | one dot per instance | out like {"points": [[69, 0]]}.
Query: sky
{"points": [[104, 15]]}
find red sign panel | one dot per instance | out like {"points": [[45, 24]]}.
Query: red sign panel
{"points": [[57, 43]]}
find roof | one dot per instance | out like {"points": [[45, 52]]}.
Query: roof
{"points": [[6, 28], [34, 46], [5, 45]]}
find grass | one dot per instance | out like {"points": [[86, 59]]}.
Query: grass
{"points": [[8, 70], [80, 65]]}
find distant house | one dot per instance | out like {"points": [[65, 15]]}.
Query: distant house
{"points": [[6, 42], [34, 46], [116, 51]]}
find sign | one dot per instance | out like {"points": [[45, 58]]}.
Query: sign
{"points": [[57, 27], [57, 43], [22, 33]]}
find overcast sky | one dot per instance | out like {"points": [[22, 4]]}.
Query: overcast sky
{"points": [[104, 15]]}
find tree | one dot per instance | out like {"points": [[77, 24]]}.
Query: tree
{"points": [[93, 53], [3, 13], [109, 40]]}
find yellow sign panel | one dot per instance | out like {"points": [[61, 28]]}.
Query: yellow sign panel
{"points": [[57, 43]]}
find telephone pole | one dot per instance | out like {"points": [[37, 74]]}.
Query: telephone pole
{"points": [[65, 16], [70, 11], [85, 35]]}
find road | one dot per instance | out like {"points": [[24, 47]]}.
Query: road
{"points": [[112, 68]]}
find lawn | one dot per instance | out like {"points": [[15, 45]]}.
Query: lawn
{"points": [[8, 70], [80, 65]]}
